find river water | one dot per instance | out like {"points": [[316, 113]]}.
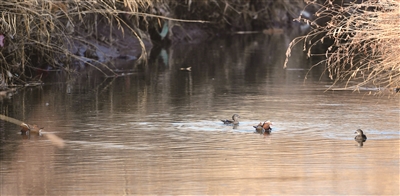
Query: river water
{"points": [[158, 130]]}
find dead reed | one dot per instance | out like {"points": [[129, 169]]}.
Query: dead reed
{"points": [[363, 42], [36, 33]]}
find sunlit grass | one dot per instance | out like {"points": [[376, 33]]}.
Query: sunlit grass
{"points": [[364, 43]]}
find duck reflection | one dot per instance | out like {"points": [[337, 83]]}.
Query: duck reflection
{"points": [[25, 134]]}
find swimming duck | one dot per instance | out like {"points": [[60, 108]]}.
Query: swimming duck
{"points": [[31, 128], [360, 136], [234, 121], [267, 126], [264, 127], [259, 128]]}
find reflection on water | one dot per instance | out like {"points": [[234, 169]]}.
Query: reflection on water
{"points": [[158, 131]]}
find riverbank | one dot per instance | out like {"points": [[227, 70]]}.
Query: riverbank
{"points": [[41, 38]]}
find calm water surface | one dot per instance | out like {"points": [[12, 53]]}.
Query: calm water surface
{"points": [[157, 131]]}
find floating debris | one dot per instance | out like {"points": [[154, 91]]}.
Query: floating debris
{"points": [[186, 69]]}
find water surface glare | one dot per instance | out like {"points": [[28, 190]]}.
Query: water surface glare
{"points": [[159, 132]]}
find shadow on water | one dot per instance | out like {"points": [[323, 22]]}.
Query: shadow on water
{"points": [[158, 131]]}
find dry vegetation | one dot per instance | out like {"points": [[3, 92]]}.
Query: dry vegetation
{"points": [[38, 33], [363, 43], [43, 35], [240, 15]]}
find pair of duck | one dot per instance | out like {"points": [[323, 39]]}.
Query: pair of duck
{"points": [[27, 129], [261, 128], [266, 128]]}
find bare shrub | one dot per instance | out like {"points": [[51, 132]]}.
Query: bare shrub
{"points": [[363, 42], [43, 32]]}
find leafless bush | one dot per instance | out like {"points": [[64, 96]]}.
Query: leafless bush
{"points": [[42, 32], [363, 42]]}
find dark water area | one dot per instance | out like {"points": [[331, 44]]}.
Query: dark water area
{"points": [[158, 130]]}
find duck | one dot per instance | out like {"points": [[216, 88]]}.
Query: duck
{"points": [[234, 121], [259, 128], [264, 127], [31, 128], [360, 136]]}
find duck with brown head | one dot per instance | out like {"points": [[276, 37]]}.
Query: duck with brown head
{"points": [[264, 127], [25, 128]]}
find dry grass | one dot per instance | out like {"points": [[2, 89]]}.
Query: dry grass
{"points": [[363, 43], [42, 32]]}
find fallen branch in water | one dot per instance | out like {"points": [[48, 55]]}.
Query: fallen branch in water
{"points": [[57, 141]]}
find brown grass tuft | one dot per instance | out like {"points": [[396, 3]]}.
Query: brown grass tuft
{"points": [[43, 32], [363, 42]]}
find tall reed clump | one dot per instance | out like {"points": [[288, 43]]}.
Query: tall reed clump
{"points": [[363, 42], [35, 33]]}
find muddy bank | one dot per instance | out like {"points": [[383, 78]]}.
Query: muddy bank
{"points": [[112, 36], [107, 47]]}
